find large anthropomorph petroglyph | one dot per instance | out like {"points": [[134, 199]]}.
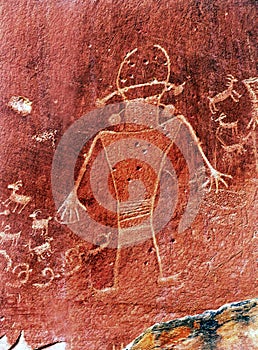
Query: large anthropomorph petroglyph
{"points": [[136, 142]]}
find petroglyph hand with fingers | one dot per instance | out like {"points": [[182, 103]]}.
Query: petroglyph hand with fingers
{"points": [[215, 176], [68, 212]]}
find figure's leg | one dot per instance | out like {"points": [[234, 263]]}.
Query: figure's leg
{"points": [[236, 96], [253, 122], [24, 205], [113, 286], [6, 202], [161, 278], [213, 107], [15, 208]]}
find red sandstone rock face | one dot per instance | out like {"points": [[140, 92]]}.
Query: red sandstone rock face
{"points": [[59, 61]]}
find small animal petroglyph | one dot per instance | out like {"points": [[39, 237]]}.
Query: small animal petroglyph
{"points": [[222, 96], [48, 135], [42, 251], [11, 237], [39, 225], [8, 260], [226, 126], [238, 147], [21, 105], [235, 148], [19, 200], [21, 344], [252, 87]]}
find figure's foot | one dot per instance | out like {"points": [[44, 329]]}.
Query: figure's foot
{"points": [[171, 278], [105, 291], [217, 177], [68, 213]]}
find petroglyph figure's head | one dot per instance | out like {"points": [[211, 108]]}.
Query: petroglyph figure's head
{"points": [[35, 213], [144, 74], [16, 185]]}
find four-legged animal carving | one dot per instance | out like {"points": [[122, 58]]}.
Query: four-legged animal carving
{"points": [[222, 96], [236, 147], [12, 237], [226, 126], [42, 251], [39, 224], [19, 200]]}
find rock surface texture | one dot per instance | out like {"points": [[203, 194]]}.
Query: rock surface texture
{"points": [[233, 326], [128, 173]]}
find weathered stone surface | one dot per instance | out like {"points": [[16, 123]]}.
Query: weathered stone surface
{"points": [[233, 326], [59, 62]]}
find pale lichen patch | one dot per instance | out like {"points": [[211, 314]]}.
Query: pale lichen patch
{"points": [[20, 104]]}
